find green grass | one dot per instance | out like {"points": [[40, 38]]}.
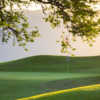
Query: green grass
{"points": [[80, 94], [40, 74], [53, 64]]}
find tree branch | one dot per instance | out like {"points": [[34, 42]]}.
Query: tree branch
{"points": [[53, 2], [14, 30]]}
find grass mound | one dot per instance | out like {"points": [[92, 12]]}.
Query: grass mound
{"points": [[53, 64]]}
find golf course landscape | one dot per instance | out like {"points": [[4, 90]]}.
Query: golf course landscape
{"points": [[49, 49], [51, 76]]}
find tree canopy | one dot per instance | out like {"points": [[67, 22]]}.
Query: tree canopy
{"points": [[78, 17]]}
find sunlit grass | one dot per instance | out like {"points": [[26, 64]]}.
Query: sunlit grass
{"points": [[63, 94], [43, 76]]}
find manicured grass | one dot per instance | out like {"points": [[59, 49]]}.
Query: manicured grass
{"points": [[53, 64], [40, 74], [91, 92], [18, 85]]}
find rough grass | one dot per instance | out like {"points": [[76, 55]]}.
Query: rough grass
{"points": [[40, 74]]}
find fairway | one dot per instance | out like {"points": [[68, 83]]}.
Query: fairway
{"points": [[40, 74]]}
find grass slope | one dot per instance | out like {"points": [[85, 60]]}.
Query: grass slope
{"points": [[80, 93], [53, 64], [40, 74]]}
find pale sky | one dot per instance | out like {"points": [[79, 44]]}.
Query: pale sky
{"points": [[46, 44], [32, 7]]}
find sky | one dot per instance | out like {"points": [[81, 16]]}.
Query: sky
{"points": [[46, 44]]}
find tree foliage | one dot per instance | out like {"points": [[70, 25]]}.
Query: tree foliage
{"points": [[78, 17], [13, 24]]}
